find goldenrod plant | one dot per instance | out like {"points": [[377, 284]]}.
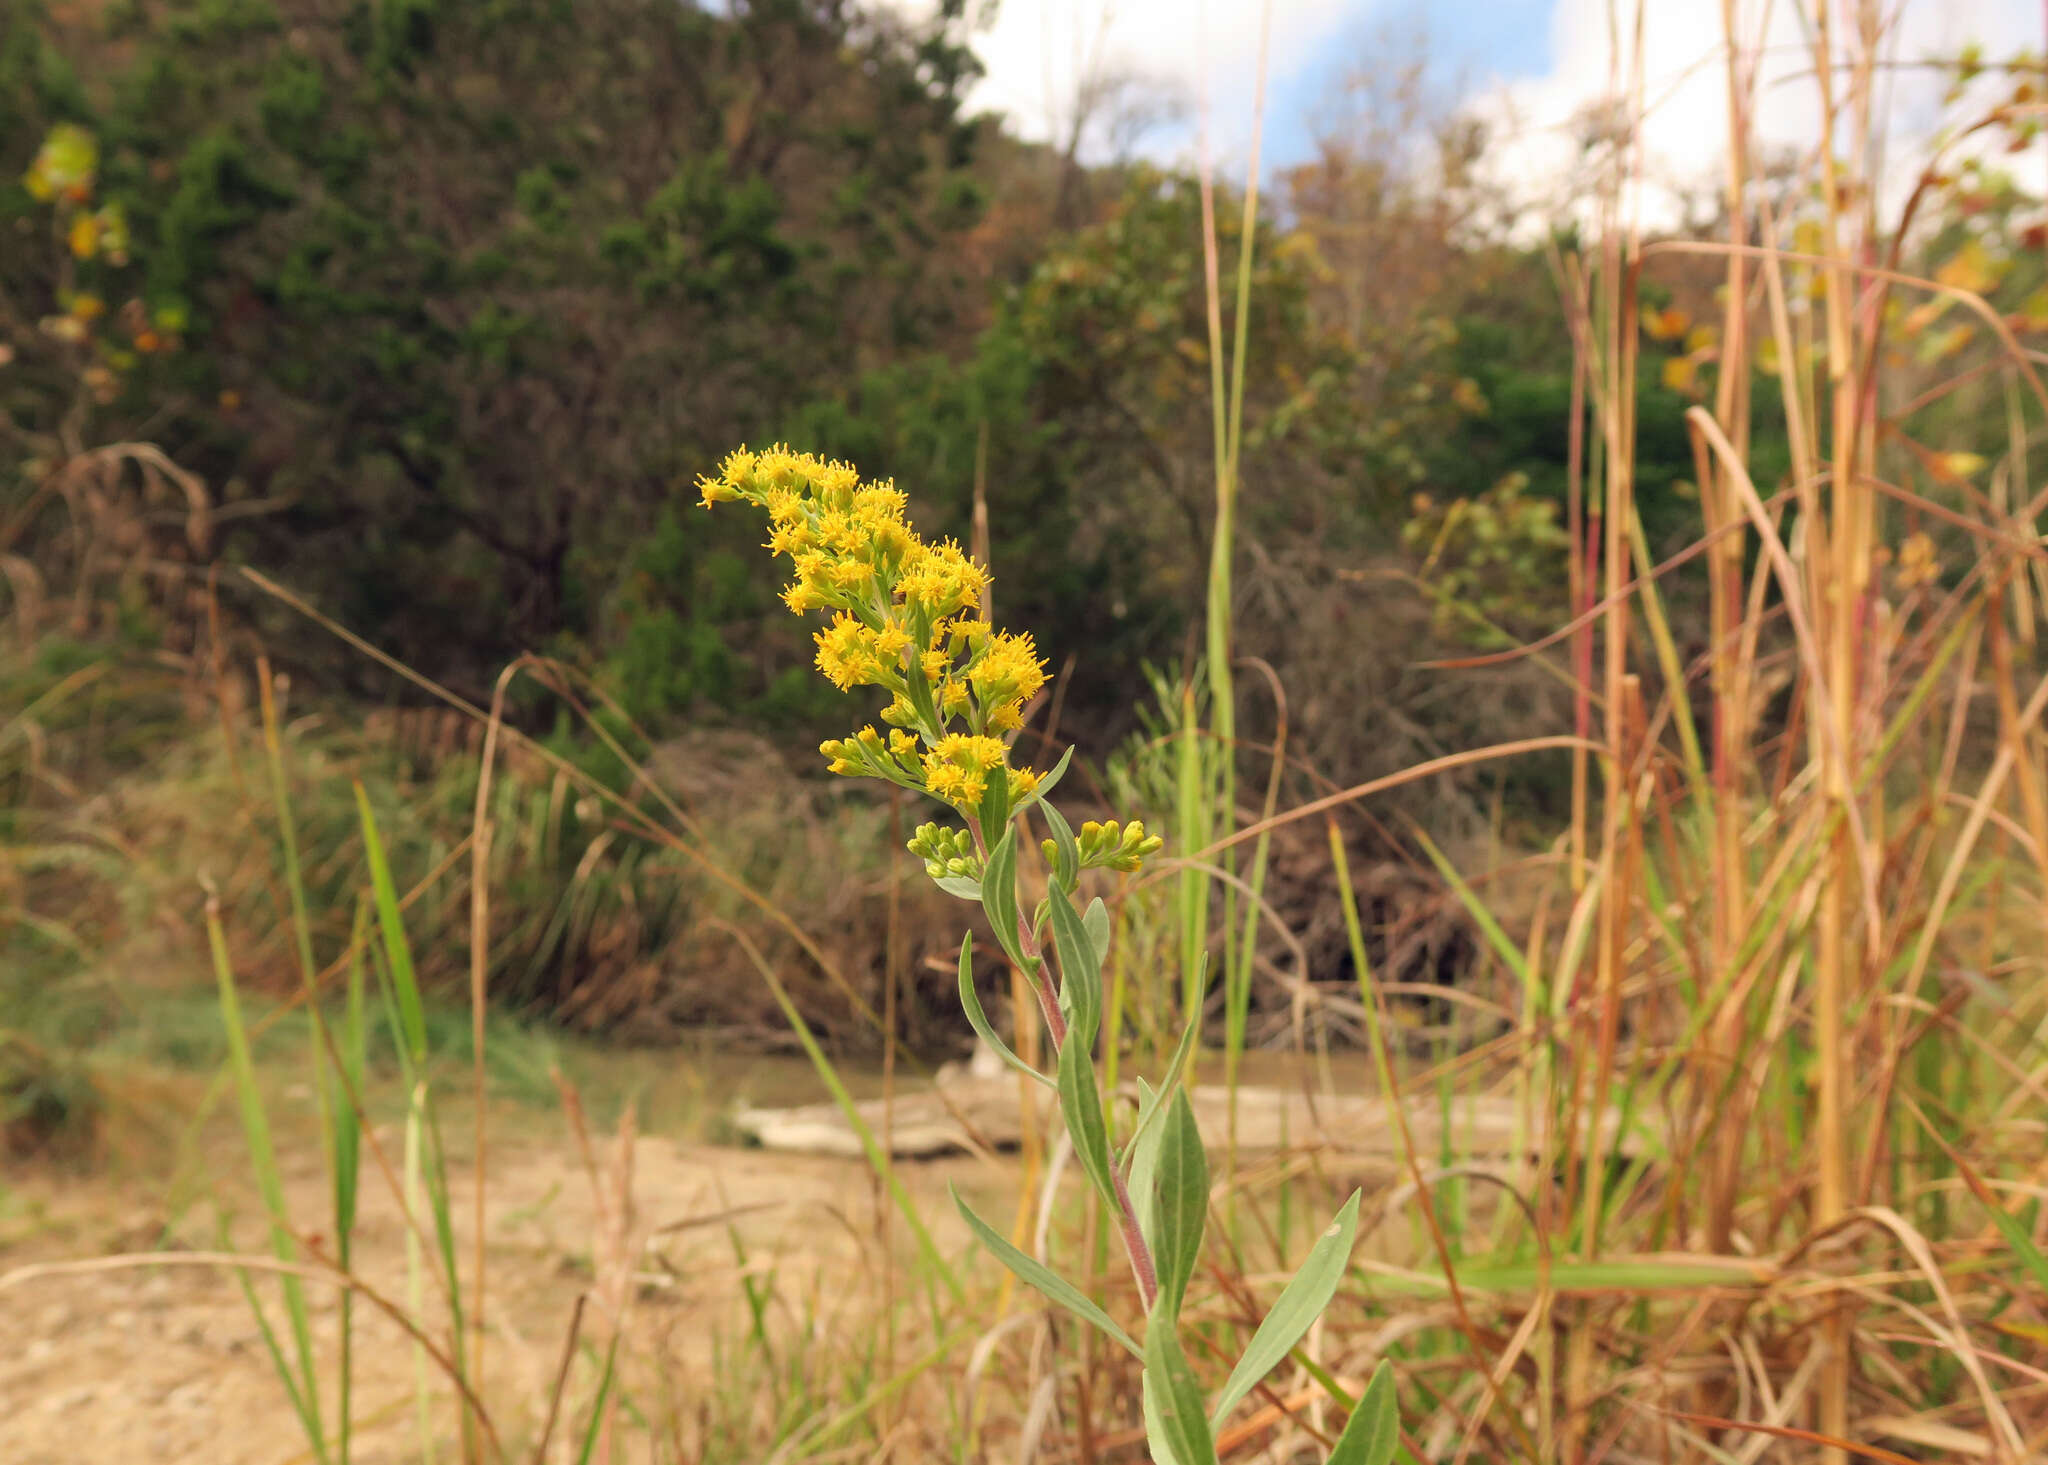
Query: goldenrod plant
{"points": [[906, 618]]}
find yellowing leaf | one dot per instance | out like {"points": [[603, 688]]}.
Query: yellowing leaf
{"points": [[1702, 338], [1767, 356], [1956, 467], [1679, 373], [84, 238], [2034, 310], [1667, 324], [65, 163], [1940, 345], [1973, 268], [1921, 316]]}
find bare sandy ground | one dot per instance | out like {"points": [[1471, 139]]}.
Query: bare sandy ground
{"points": [[165, 1363]]}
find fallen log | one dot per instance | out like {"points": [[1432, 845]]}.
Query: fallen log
{"points": [[971, 1114]]}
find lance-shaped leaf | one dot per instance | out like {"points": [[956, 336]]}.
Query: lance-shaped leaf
{"points": [[999, 897], [1046, 784], [1297, 1309], [1141, 1166], [1175, 1424], [1373, 1432], [1081, 1106], [1183, 1208], [1096, 921], [1080, 971], [995, 803], [1066, 854], [1048, 1283], [970, 1002]]}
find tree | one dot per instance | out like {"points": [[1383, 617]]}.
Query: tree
{"points": [[472, 290]]}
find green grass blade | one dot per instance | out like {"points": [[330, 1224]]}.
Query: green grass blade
{"points": [[270, 1186], [877, 1158], [348, 1166], [405, 987], [1503, 947], [604, 1389], [415, 1271], [1151, 1099]]}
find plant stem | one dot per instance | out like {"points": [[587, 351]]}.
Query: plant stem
{"points": [[1143, 1268]]}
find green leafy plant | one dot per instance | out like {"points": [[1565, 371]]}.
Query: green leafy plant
{"points": [[907, 618]]}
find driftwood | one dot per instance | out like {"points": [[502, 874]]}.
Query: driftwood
{"points": [[985, 1114]]}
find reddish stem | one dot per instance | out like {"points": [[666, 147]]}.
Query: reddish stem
{"points": [[1143, 1268]]}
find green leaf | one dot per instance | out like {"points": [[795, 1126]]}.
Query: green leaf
{"points": [[970, 1000], [999, 896], [397, 949], [1096, 921], [1049, 1284], [1046, 784], [1066, 853], [1081, 1106], [1297, 1308], [964, 886], [1183, 1205], [1080, 972], [1373, 1432], [1155, 1431], [995, 803], [1173, 1400], [1141, 1164]]}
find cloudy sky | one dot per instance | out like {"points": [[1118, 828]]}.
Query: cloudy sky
{"points": [[1535, 62]]}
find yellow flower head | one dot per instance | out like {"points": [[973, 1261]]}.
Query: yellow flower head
{"points": [[846, 652], [958, 767], [1008, 670], [891, 642], [898, 602], [940, 579]]}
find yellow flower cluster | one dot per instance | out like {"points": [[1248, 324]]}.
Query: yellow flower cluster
{"points": [[905, 618]]}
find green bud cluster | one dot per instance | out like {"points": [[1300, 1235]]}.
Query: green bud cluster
{"points": [[945, 852], [1111, 846]]}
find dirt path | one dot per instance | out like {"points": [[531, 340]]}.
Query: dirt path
{"points": [[167, 1364]]}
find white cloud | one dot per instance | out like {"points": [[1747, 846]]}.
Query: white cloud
{"points": [[1038, 52], [1685, 136]]}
